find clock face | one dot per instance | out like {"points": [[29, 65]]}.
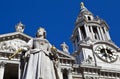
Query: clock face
{"points": [[106, 53]]}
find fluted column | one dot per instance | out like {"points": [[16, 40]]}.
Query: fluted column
{"points": [[2, 68]]}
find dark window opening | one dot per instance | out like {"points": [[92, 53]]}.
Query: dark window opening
{"points": [[89, 18], [65, 74], [103, 30], [11, 71], [118, 75], [83, 32], [96, 36]]}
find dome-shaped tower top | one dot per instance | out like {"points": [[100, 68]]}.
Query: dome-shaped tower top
{"points": [[84, 13]]}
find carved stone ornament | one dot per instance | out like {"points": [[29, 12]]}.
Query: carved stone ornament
{"points": [[64, 47], [11, 45], [20, 27], [89, 59]]}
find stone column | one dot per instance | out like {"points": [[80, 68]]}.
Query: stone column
{"points": [[107, 34], [80, 35], [99, 33], [92, 33], [86, 30], [2, 68], [19, 72], [70, 74], [61, 74], [103, 36]]}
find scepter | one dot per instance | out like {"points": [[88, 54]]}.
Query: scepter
{"points": [[17, 52]]}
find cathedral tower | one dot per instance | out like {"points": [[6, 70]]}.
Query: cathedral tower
{"points": [[93, 49], [89, 28]]}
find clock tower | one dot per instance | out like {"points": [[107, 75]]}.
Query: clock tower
{"points": [[93, 48]]}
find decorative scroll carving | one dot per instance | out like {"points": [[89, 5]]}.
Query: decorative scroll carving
{"points": [[11, 45]]}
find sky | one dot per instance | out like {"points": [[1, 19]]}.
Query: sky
{"points": [[57, 17]]}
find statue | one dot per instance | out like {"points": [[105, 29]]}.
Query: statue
{"points": [[82, 5], [38, 58], [41, 33], [64, 47], [19, 27]]}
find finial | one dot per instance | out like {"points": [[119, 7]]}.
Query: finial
{"points": [[82, 5], [20, 27]]}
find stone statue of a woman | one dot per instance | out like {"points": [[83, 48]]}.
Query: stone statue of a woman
{"points": [[39, 64]]}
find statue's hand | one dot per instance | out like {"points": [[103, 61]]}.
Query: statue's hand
{"points": [[25, 48]]}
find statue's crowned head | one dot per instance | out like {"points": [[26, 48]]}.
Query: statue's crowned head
{"points": [[41, 33]]}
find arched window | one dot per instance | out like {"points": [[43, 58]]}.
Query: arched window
{"points": [[89, 18]]}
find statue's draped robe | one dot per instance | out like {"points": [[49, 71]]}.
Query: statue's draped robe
{"points": [[39, 65]]}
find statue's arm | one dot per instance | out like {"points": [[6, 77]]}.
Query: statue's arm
{"points": [[28, 46]]}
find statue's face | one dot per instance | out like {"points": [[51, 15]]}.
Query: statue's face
{"points": [[40, 32]]}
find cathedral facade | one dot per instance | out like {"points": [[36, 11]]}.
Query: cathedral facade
{"points": [[95, 56]]}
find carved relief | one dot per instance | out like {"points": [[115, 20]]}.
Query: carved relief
{"points": [[89, 59], [11, 45]]}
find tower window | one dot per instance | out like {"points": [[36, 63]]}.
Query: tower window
{"points": [[89, 18], [96, 36], [83, 32]]}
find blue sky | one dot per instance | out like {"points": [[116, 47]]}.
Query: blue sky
{"points": [[57, 17]]}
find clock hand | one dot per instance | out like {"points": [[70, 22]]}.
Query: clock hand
{"points": [[107, 55]]}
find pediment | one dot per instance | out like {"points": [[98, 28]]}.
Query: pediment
{"points": [[13, 41], [64, 55], [10, 36]]}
